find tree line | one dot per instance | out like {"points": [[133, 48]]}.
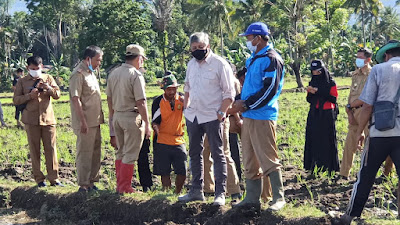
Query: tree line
{"points": [[302, 30]]}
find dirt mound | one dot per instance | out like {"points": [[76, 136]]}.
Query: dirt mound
{"points": [[108, 208]]}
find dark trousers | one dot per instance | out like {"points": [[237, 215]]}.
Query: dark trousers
{"points": [[374, 154], [145, 176], [235, 152], [196, 133]]}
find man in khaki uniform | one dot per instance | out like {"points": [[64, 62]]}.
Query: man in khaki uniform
{"points": [[86, 116], [353, 109], [128, 112], [35, 91]]}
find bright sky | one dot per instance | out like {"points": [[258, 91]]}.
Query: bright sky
{"points": [[20, 5]]}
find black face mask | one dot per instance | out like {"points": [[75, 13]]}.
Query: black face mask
{"points": [[200, 54]]}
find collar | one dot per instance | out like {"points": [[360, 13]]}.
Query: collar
{"points": [[208, 58], [176, 97], [263, 51], [395, 59], [32, 78], [365, 71], [84, 68], [127, 65]]}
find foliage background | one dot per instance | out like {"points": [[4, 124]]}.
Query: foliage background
{"points": [[59, 31]]}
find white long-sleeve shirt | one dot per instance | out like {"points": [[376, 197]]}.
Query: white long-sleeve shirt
{"points": [[208, 83]]}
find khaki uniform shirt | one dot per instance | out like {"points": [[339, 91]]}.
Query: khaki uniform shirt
{"points": [[125, 86], [38, 111], [357, 83], [83, 84]]}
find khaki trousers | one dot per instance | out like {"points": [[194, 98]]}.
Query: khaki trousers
{"points": [[259, 149], [47, 134], [129, 131], [350, 146], [88, 155], [232, 177]]}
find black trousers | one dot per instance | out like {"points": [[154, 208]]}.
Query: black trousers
{"points": [[376, 151], [145, 176], [235, 153]]}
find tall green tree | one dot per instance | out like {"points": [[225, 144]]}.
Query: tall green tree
{"points": [[113, 25], [162, 15], [363, 7], [213, 16]]}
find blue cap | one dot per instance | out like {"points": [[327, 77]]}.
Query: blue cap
{"points": [[257, 28]]}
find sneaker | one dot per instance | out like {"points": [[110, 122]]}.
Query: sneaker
{"points": [[42, 184], [196, 195], [57, 184], [219, 199], [277, 205]]}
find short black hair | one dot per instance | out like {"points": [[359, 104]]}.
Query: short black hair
{"points": [[91, 51], [367, 52], [395, 52], [19, 70], [34, 60], [264, 37], [130, 57]]}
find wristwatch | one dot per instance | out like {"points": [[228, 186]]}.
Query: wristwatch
{"points": [[349, 106], [221, 113]]}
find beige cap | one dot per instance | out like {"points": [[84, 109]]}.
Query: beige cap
{"points": [[134, 49]]}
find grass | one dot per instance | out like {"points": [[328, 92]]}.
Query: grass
{"points": [[292, 211], [290, 134]]}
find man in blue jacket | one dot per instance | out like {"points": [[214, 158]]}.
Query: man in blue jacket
{"points": [[259, 104]]}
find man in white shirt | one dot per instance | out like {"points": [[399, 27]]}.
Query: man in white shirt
{"points": [[209, 92]]}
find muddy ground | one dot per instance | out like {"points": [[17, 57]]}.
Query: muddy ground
{"points": [[105, 207]]}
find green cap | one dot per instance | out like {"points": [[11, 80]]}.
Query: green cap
{"points": [[380, 55], [169, 81]]}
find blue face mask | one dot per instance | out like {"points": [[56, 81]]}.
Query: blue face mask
{"points": [[90, 65], [360, 62]]}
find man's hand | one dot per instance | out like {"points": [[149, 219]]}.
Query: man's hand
{"points": [[239, 123], [113, 142], [34, 93], [147, 131], [360, 140], [156, 128], [237, 106], [84, 127]]}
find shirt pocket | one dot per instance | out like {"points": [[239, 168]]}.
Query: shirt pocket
{"points": [[210, 77]]}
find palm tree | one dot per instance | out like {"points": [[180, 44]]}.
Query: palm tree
{"points": [[212, 14], [389, 25], [371, 6], [162, 15]]}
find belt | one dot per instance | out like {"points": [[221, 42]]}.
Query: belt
{"points": [[135, 111]]}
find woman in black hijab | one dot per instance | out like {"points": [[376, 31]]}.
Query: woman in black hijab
{"points": [[321, 144]]}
